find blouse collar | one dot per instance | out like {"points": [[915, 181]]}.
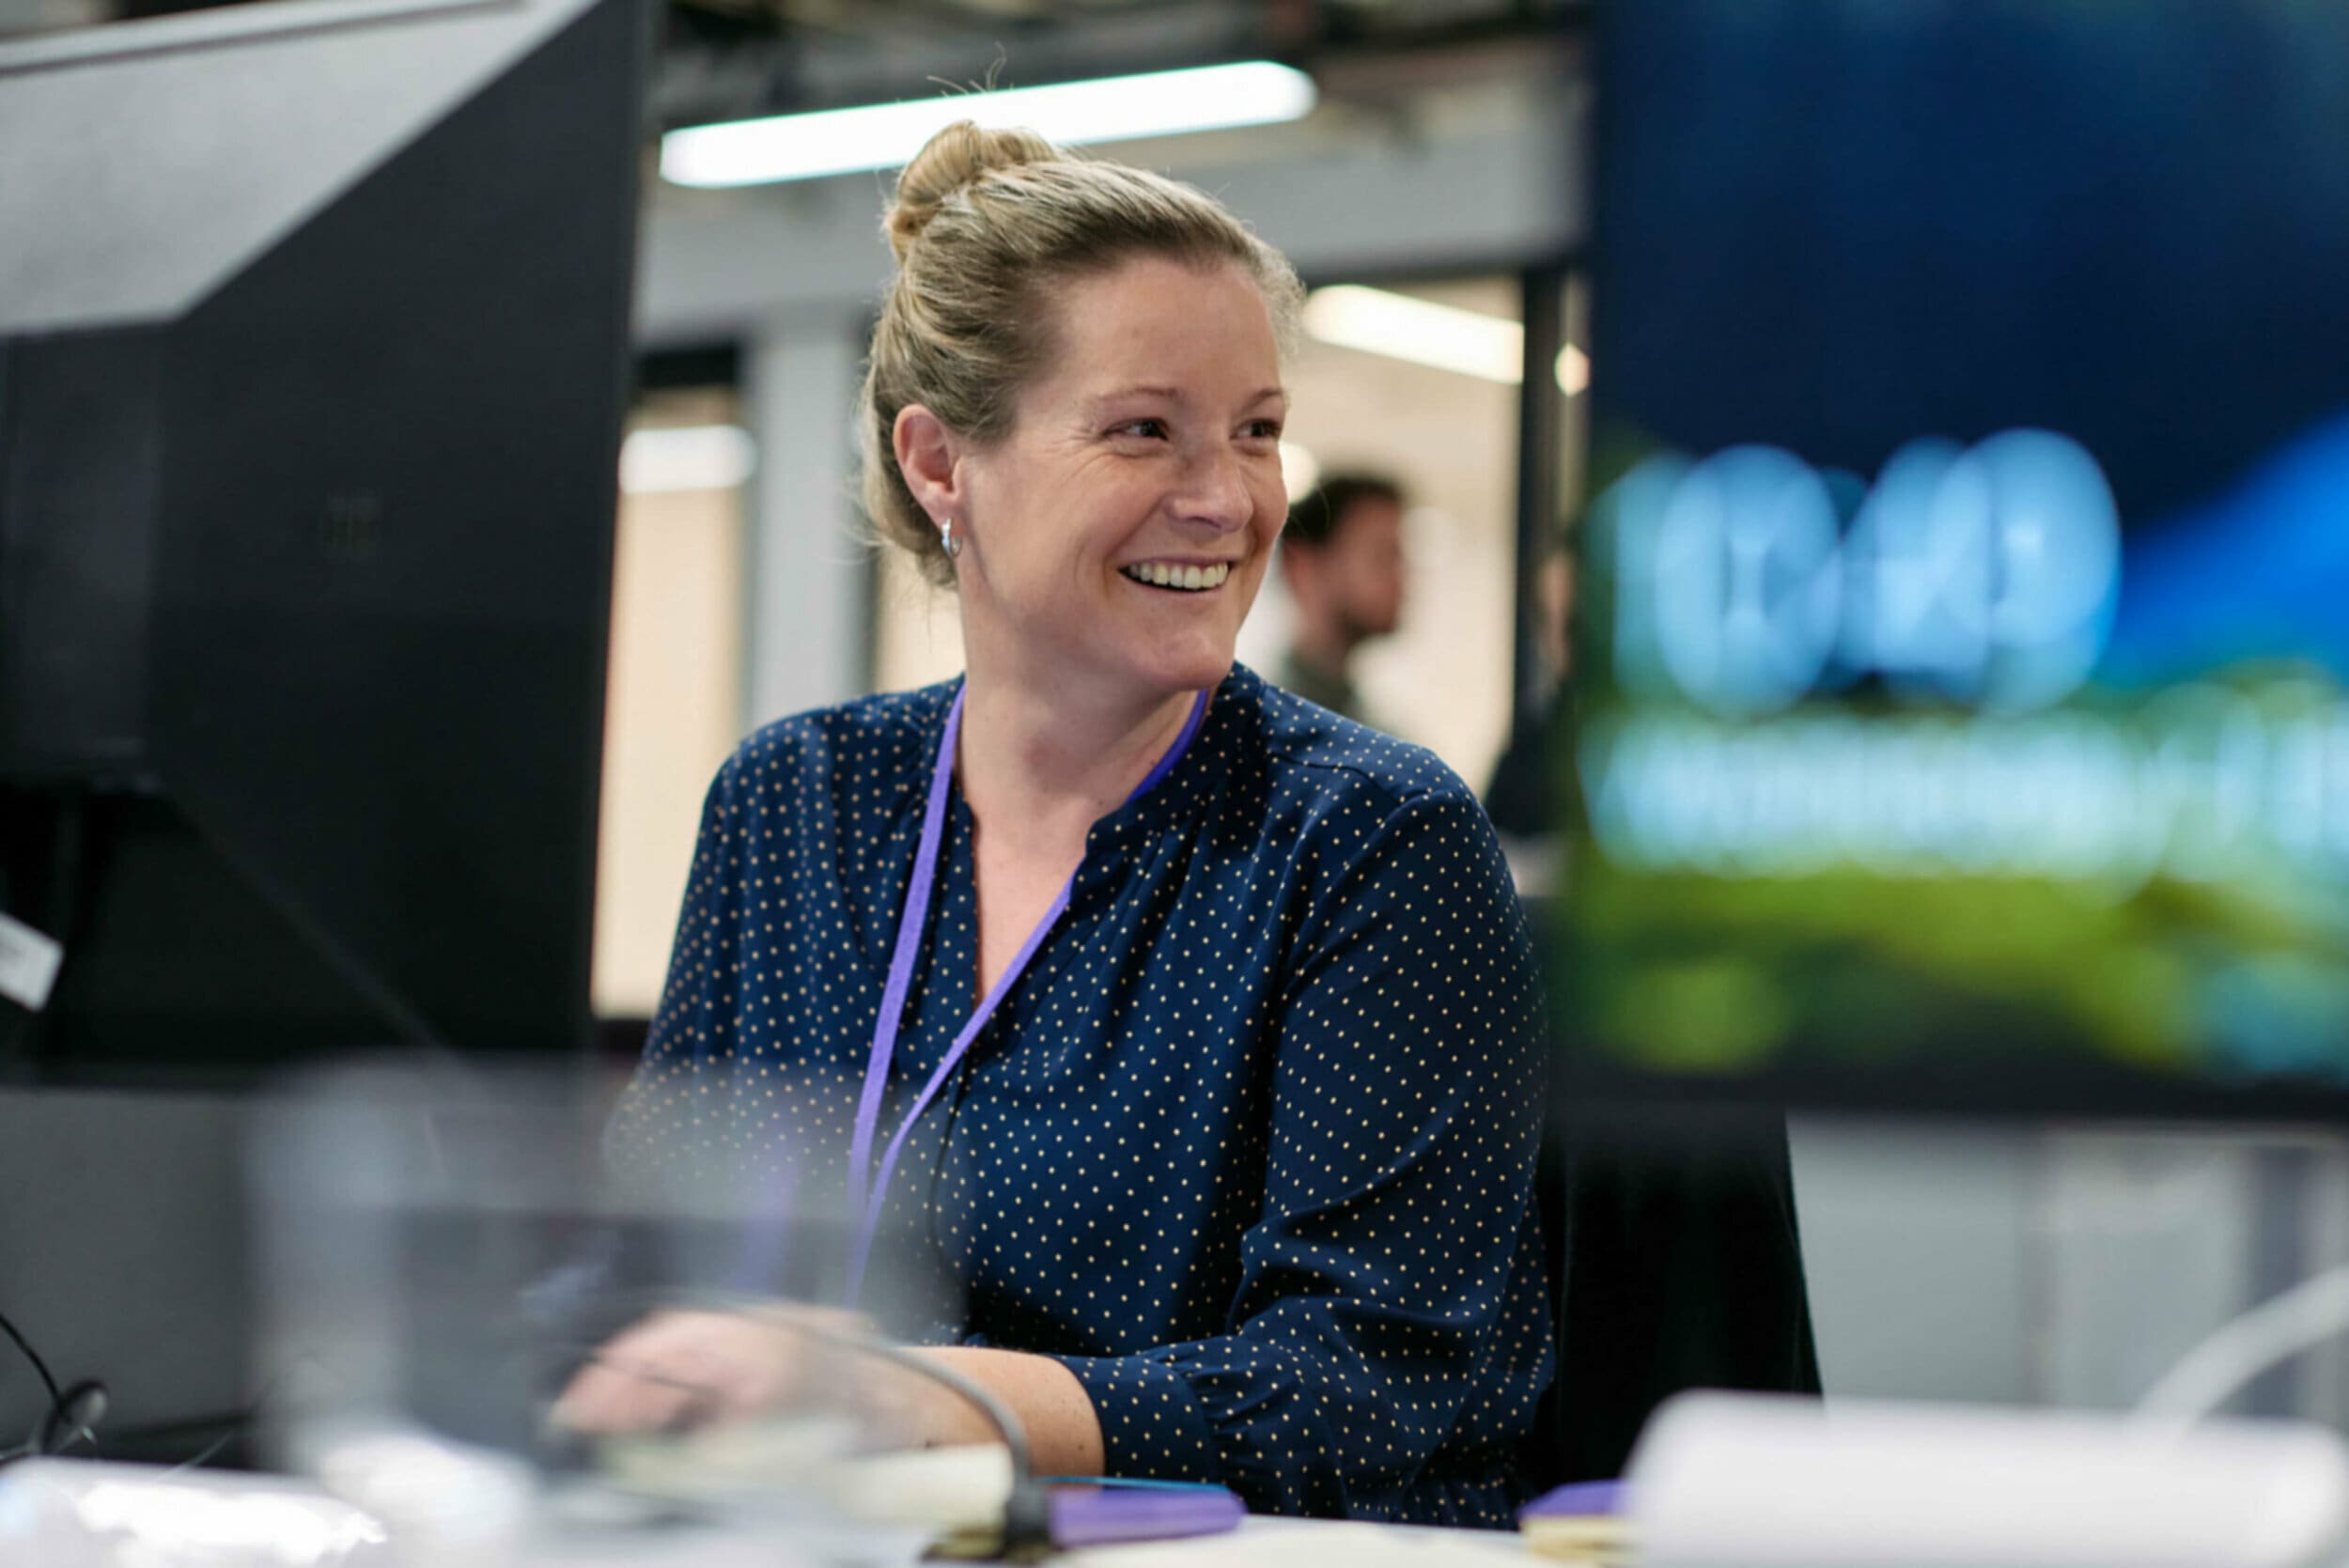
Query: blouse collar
{"points": [[1235, 709], [1142, 819]]}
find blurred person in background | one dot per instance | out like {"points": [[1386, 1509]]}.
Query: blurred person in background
{"points": [[1343, 559], [1133, 958]]}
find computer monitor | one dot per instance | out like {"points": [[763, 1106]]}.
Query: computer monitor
{"points": [[1960, 718], [313, 364]]}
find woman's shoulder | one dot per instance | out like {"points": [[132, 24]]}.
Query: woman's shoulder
{"points": [[1322, 758], [872, 739]]}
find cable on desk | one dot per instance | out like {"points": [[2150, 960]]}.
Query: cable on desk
{"points": [[209, 1451], [2275, 1330], [1027, 1513], [40, 1366], [72, 1414]]}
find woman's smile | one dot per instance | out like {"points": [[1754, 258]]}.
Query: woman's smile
{"points": [[1180, 577]]}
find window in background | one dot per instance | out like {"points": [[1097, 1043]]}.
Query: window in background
{"points": [[673, 709], [1448, 435], [1429, 398]]}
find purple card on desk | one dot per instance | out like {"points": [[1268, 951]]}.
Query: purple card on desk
{"points": [[1097, 1517], [1582, 1500]]}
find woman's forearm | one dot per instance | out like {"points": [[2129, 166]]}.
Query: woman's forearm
{"points": [[1063, 1433]]}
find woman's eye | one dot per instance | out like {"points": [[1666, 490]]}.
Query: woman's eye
{"points": [[1149, 429], [1263, 429]]}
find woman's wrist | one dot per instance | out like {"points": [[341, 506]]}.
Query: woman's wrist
{"points": [[933, 1414], [1054, 1412]]}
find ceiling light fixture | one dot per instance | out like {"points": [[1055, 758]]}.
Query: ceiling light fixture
{"points": [[1443, 338], [886, 136]]}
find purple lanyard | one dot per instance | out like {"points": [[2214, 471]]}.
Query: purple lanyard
{"points": [[866, 1201]]}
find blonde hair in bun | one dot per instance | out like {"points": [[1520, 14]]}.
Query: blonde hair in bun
{"points": [[947, 162], [984, 224]]}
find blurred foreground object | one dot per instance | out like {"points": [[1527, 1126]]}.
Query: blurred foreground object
{"points": [[314, 342], [1731, 1482], [80, 1514], [444, 1253]]}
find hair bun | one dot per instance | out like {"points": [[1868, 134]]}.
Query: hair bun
{"points": [[956, 156]]}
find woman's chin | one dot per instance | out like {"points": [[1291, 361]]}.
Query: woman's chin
{"points": [[1189, 669]]}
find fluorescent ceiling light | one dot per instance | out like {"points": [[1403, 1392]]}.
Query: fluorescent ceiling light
{"points": [[1443, 338], [886, 136], [686, 458]]}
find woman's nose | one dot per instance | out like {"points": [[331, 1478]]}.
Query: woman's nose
{"points": [[1218, 491]]}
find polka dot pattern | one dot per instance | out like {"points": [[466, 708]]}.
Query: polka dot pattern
{"points": [[1249, 1146]]}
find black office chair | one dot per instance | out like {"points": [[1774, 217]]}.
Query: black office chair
{"points": [[1676, 1264]]}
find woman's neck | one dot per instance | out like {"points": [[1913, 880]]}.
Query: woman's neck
{"points": [[1041, 761]]}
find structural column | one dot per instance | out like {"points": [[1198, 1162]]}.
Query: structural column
{"points": [[809, 569]]}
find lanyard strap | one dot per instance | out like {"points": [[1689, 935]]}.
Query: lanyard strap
{"points": [[865, 1200]]}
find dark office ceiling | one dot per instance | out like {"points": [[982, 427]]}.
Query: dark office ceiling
{"points": [[727, 58], [721, 21]]}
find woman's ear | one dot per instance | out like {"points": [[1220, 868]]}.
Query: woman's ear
{"points": [[930, 455]]}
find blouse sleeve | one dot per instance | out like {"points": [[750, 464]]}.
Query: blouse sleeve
{"points": [[1376, 1290]]}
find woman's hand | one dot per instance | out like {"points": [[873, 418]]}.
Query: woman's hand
{"points": [[682, 1368]]}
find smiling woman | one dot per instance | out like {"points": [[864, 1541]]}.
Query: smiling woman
{"points": [[1092, 525], [1232, 1155]]}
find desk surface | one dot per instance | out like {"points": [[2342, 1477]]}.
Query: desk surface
{"points": [[1271, 1542], [51, 1516]]}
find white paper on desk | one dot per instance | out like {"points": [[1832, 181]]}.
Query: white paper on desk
{"points": [[1277, 1543], [28, 964]]}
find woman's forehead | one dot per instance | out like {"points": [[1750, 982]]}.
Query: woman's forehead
{"points": [[1154, 302], [1169, 331]]}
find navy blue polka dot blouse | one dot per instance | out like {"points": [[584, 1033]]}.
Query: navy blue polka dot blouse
{"points": [[1249, 1146]]}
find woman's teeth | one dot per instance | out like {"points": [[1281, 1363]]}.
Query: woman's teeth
{"points": [[1158, 574]]}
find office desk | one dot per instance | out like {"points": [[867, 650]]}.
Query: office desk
{"points": [[74, 1512], [1259, 1543], [1273, 1543]]}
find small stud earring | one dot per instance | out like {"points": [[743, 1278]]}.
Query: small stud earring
{"points": [[946, 540]]}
